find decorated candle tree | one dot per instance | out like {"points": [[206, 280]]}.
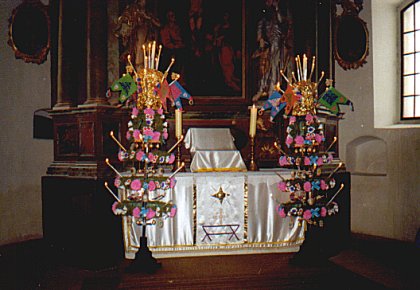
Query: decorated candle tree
{"points": [[143, 184], [308, 188]]}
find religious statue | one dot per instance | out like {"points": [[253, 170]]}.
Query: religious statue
{"points": [[136, 26], [274, 48]]}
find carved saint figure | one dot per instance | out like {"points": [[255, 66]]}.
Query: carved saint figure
{"points": [[136, 26]]}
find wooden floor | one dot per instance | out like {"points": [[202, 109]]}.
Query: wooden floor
{"points": [[28, 268]]}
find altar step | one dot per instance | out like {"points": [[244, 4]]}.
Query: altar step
{"points": [[29, 266]]}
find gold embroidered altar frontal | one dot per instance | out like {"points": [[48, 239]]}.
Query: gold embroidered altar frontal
{"points": [[221, 213]]}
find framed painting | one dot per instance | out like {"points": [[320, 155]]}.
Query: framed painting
{"points": [[207, 40], [228, 52]]}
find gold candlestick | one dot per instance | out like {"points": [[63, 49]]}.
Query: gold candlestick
{"points": [[179, 166], [252, 165]]}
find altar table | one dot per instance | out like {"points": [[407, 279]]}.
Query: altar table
{"points": [[242, 218]]}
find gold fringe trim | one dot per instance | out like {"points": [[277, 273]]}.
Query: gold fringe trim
{"points": [[233, 169]]}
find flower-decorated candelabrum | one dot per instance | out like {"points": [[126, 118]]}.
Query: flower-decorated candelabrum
{"points": [[144, 186], [311, 191], [307, 187]]}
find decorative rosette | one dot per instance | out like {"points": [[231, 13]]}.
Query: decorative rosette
{"points": [[136, 186], [304, 131], [147, 126], [305, 161], [312, 214], [155, 210], [155, 157]]}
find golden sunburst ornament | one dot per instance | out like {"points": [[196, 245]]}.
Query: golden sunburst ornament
{"points": [[220, 195]]}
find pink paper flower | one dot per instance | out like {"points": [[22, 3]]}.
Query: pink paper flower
{"points": [[152, 158], [150, 214], [135, 112], [128, 135], [330, 158], [172, 213], [117, 182], [139, 155], [307, 186], [307, 161], [136, 212], [114, 207], [282, 213], [152, 185], [136, 135], [148, 131], [318, 138], [319, 161], [121, 155], [149, 111], [282, 186], [307, 215], [172, 183], [160, 111], [292, 120], [165, 135], [289, 140], [323, 185], [171, 159], [309, 118], [299, 140], [156, 136], [323, 211], [135, 184], [283, 161]]}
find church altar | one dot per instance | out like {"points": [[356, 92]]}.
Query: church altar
{"points": [[221, 213]]}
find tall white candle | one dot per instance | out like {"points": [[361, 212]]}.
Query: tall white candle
{"points": [[158, 57], [153, 54], [178, 123], [253, 121], [149, 53], [144, 56], [305, 66]]}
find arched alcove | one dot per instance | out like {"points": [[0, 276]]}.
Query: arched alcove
{"points": [[367, 155]]}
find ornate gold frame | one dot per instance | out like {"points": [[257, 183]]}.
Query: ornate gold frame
{"points": [[29, 31], [356, 53]]}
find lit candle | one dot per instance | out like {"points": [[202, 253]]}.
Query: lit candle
{"points": [[158, 57], [178, 123], [149, 53], [305, 66], [144, 56], [297, 68], [312, 67], [153, 54], [253, 122]]}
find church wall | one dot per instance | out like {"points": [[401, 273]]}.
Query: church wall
{"points": [[386, 202], [25, 88]]}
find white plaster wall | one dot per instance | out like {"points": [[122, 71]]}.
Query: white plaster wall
{"points": [[25, 88], [386, 206]]}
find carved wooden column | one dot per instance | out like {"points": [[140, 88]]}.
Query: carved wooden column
{"points": [[96, 41], [63, 99]]}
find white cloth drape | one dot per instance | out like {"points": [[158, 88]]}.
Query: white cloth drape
{"points": [[253, 199], [212, 149]]}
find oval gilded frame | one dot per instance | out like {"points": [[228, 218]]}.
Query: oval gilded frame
{"points": [[351, 41], [29, 31]]}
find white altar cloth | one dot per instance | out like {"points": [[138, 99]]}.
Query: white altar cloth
{"points": [[212, 149], [217, 160], [261, 230]]}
